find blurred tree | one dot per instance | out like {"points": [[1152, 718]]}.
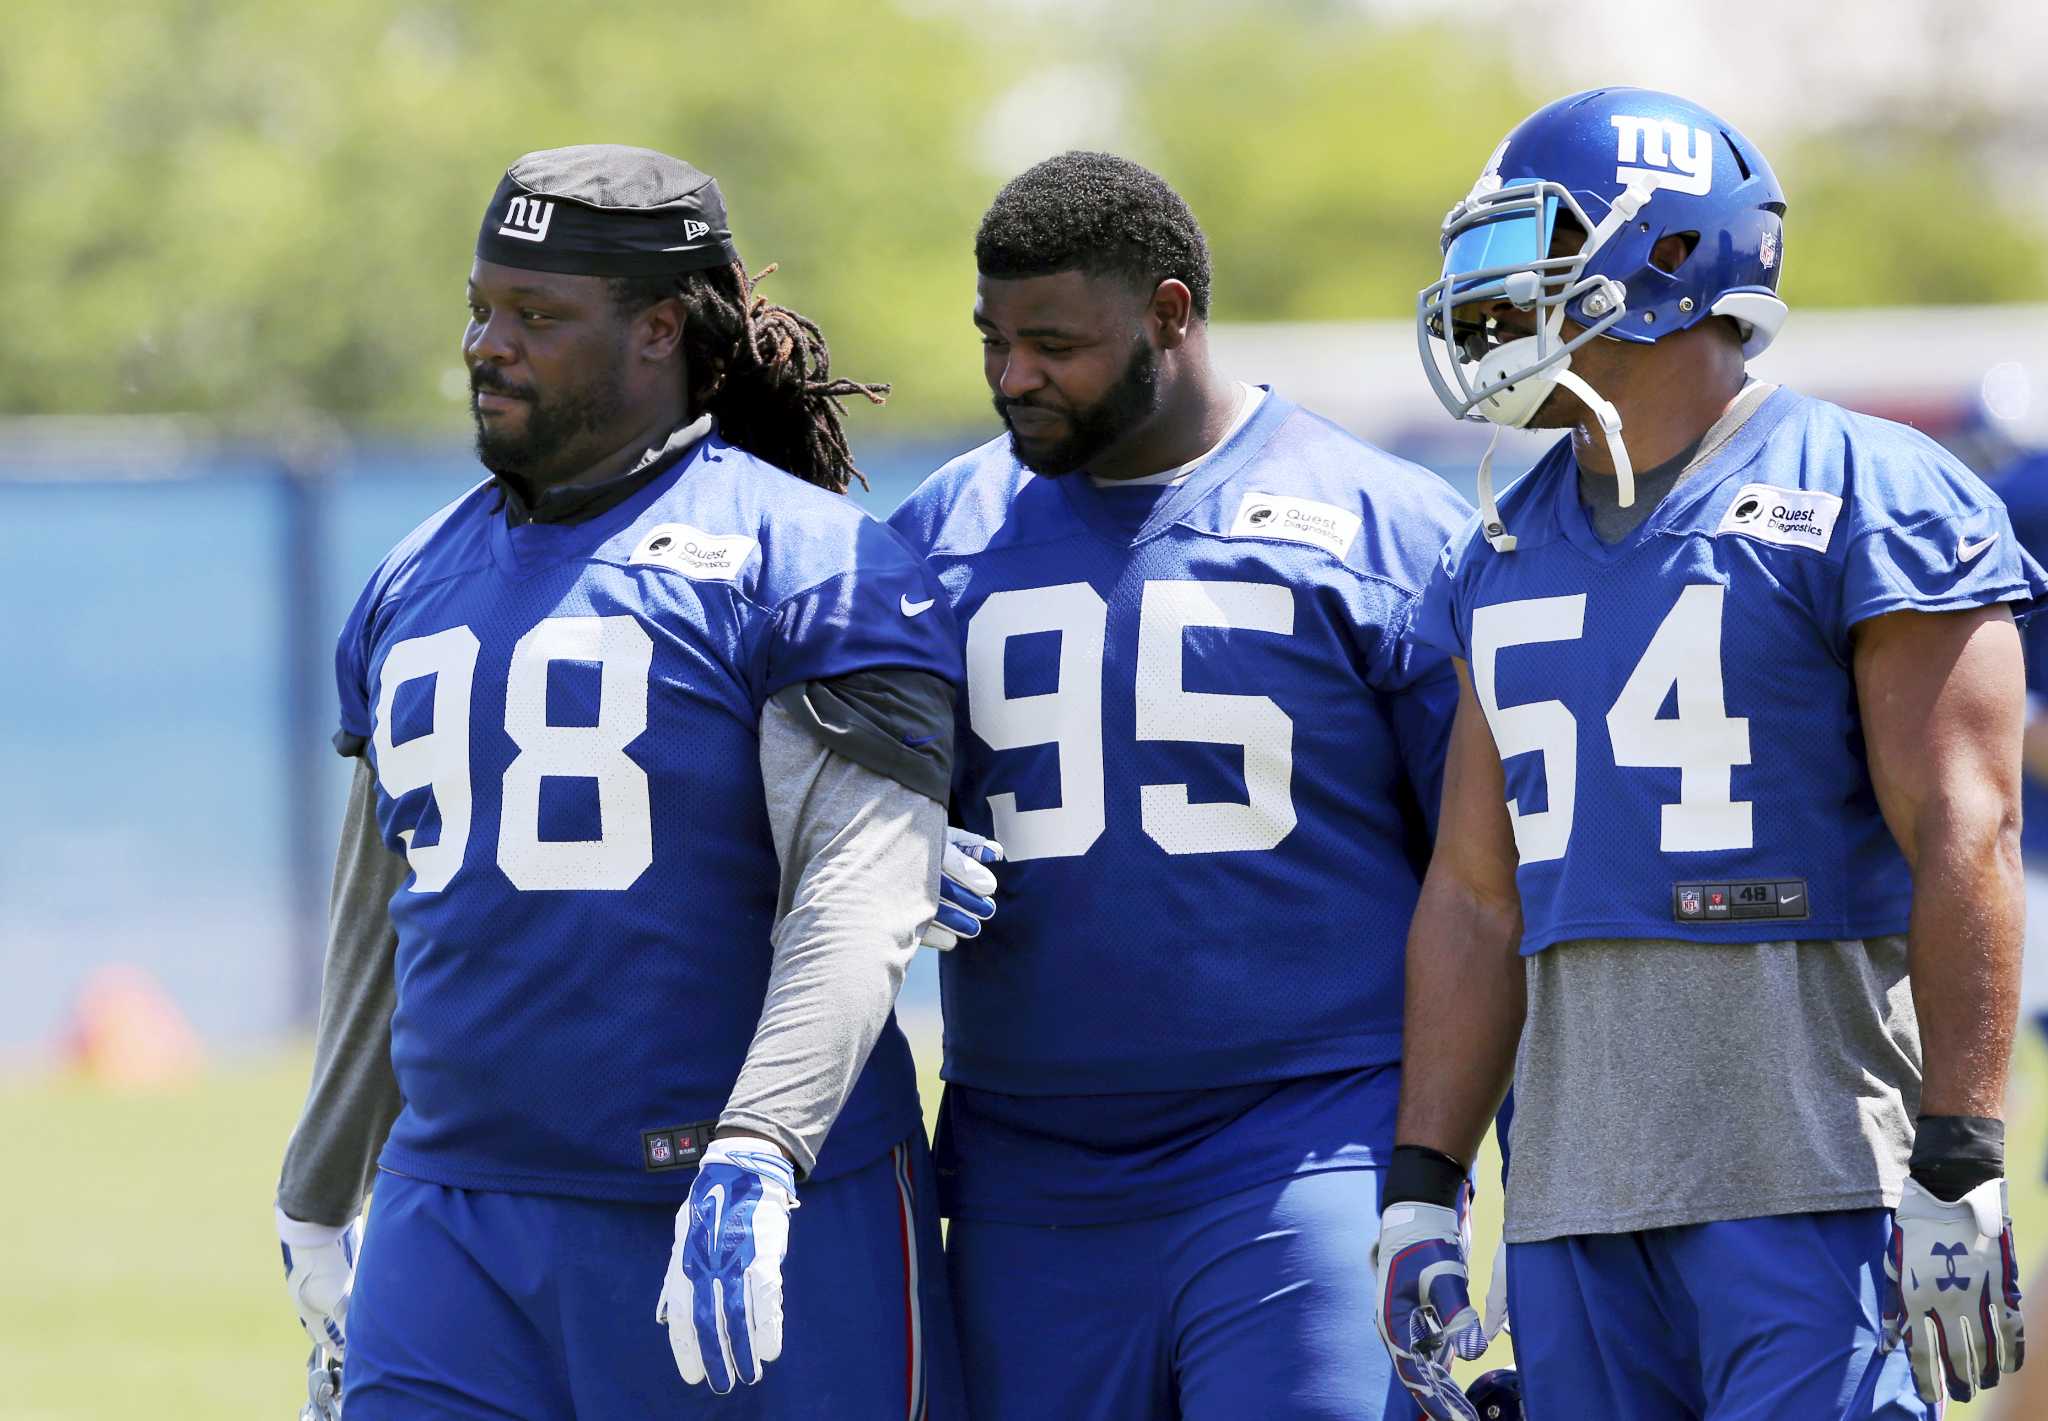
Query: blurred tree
{"points": [[256, 207], [261, 209]]}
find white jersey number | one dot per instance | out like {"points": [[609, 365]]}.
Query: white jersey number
{"points": [[1070, 717], [440, 757], [1703, 742]]}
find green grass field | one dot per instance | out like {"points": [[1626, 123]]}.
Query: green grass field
{"points": [[139, 1270]]}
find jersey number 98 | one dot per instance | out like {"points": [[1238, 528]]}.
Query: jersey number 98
{"points": [[440, 758]]}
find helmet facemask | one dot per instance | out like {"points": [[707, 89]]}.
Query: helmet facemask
{"points": [[1497, 247]]}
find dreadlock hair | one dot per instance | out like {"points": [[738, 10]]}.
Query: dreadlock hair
{"points": [[1099, 214], [762, 369]]}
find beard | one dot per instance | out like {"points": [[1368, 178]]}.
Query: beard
{"points": [[1092, 428], [533, 456]]}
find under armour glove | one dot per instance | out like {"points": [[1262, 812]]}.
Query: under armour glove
{"points": [[722, 1299], [966, 889], [1425, 1311], [320, 1272], [1953, 1290]]}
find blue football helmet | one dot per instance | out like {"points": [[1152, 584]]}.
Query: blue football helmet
{"points": [[1497, 1396], [1630, 167]]}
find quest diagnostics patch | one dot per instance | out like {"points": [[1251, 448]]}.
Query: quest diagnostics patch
{"points": [[1299, 520], [1789, 517], [694, 552]]}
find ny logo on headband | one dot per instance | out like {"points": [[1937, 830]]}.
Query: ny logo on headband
{"points": [[1655, 153], [527, 219]]}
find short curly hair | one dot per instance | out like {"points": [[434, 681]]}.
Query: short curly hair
{"points": [[1095, 213]]}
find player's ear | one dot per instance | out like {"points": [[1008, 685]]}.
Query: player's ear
{"points": [[1171, 312], [658, 331]]}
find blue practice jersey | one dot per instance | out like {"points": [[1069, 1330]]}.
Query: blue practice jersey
{"points": [[1676, 713], [564, 721], [1212, 750], [2024, 489]]}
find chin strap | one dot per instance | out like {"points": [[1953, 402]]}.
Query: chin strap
{"points": [[1489, 513], [1610, 426]]}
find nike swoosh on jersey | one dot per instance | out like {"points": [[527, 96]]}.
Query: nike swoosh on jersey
{"points": [[915, 609], [1967, 550]]}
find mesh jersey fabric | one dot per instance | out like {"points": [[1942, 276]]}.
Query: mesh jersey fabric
{"points": [[564, 720], [1212, 750], [1690, 687]]}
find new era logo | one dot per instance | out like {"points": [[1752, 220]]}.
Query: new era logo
{"points": [[527, 219], [693, 229]]}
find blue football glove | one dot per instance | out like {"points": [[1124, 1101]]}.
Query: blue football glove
{"points": [[966, 889], [722, 1299], [1952, 1292], [320, 1273], [1425, 1311]]}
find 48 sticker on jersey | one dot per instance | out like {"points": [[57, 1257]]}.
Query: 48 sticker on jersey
{"points": [[1752, 898]]}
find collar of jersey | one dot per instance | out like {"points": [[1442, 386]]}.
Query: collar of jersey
{"points": [[1088, 504], [524, 548], [1576, 526]]}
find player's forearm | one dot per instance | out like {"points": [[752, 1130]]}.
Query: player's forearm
{"points": [[1964, 946], [353, 1097], [860, 858], [1466, 1001]]}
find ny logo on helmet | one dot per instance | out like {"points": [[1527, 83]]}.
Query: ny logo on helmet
{"points": [[1654, 153], [527, 219]]}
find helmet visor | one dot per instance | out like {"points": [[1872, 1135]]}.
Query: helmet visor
{"points": [[1517, 238]]}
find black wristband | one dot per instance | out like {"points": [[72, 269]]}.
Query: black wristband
{"points": [[1953, 1154], [1420, 1175]]}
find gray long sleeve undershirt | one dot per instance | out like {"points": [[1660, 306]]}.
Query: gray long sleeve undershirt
{"points": [[353, 1097], [860, 874]]}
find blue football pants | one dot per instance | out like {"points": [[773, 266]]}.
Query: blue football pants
{"points": [[1749, 1320], [1258, 1304], [472, 1305]]}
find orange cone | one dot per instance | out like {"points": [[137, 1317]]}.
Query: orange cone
{"points": [[126, 1031]]}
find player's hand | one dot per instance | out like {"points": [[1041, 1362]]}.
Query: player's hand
{"points": [[1953, 1290], [320, 1272], [1497, 1320], [1425, 1311], [722, 1300], [966, 889]]}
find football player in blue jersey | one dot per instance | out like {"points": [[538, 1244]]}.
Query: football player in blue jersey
{"points": [[653, 732], [1200, 729], [2023, 485], [1736, 769]]}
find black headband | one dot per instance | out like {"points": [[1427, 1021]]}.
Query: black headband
{"points": [[601, 209]]}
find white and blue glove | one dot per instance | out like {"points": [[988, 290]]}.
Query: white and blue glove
{"points": [[320, 1273], [1425, 1312], [1953, 1290], [966, 889], [722, 1299]]}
